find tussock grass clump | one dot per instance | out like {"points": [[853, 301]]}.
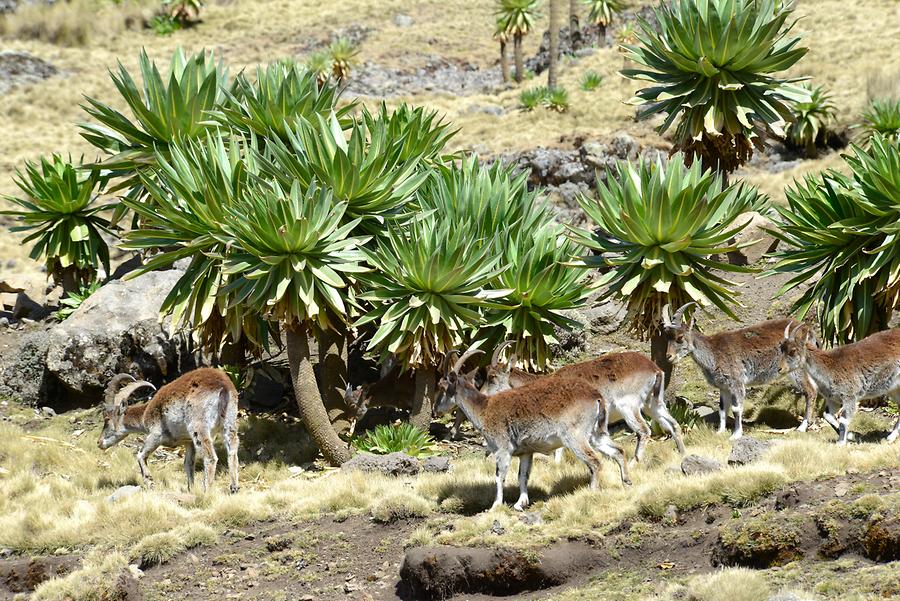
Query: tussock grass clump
{"points": [[733, 584], [159, 548], [400, 505], [95, 581]]}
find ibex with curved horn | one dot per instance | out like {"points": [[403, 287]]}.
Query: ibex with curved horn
{"points": [[537, 418], [184, 413], [629, 381], [846, 374], [734, 360]]}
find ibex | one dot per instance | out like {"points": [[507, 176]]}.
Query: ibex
{"points": [[186, 412], [537, 418], [734, 360], [846, 374], [629, 382]]}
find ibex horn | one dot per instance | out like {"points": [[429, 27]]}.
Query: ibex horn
{"points": [[787, 331], [679, 314], [667, 319], [112, 388], [465, 357], [129, 389], [445, 364], [498, 351]]}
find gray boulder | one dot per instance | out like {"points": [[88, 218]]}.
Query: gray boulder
{"points": [[753, 231], [116, 330], [24, 376], [697, 464], [393, 464], [747, 450]]}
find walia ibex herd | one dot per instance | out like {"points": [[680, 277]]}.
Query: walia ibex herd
{"points": [[521, 413]]}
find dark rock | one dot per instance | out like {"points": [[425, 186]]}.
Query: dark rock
{"points": [[8, 288], [436, 464], [579, 42], [442, 572], [747, 450], [126, 588], [117, 330], [497, 528], [393, 464], [696, 464], [26, 307], [22, 68], [24, 374]]}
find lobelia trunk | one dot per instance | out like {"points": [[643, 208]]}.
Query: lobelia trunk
{"points": [[520, 61], [553, 67], [333, 379], [423, 397], [504, 61], [69, 279], [309, 401]]}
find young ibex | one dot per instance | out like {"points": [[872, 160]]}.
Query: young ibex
{"points": [[734, 360], [629, 382], [846, 374], [186, 412], [537, 418]]}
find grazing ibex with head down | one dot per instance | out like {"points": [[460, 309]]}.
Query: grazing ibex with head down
{"points": [[629, 382], [186, 412], [734, 360], [846, 374], [537, 418]]}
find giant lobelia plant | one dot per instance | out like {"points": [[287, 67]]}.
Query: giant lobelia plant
{"points": [[711, 65], [662, 230], [60, 209], [841, 233]]}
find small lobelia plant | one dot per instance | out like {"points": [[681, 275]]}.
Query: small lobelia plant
{"points": [[532, 98], [809, 126], [73, 300], [662, 230], [711, 65], [396, 438], [881, 117], [60, 209], [557, 100], [840, 234], [319, 62], [590, 81], [343, 56]]}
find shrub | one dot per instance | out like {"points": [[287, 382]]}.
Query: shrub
{"points": [[401, 438], [590, 81], [73, 300], [164, 24]]}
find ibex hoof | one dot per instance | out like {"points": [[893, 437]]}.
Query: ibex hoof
{"points": [[626, 482], [892, 437], [233, 488], [803, 426], [736, 436]]}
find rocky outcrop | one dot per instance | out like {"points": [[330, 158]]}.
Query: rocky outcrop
{"points": [[22, 68], [747, 450], [116, 330], [393, 464], [437, 74]]}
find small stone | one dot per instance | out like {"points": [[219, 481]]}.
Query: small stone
{"points": [[497, 528], [78, 432], [671, 514], [4, 553], [403, 21], [250, 537], [696, 464], [532, 518], [436, 464], [747, 450], [4, 322], [48, 412], [841, 489], [295, 470], [122, 492], [393, 464]]}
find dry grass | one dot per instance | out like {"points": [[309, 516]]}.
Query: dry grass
{"points": [[95, 581], [75, 22]]}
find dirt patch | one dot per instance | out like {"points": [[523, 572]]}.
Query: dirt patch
{"points": [[329, 558], [22, 575]]}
